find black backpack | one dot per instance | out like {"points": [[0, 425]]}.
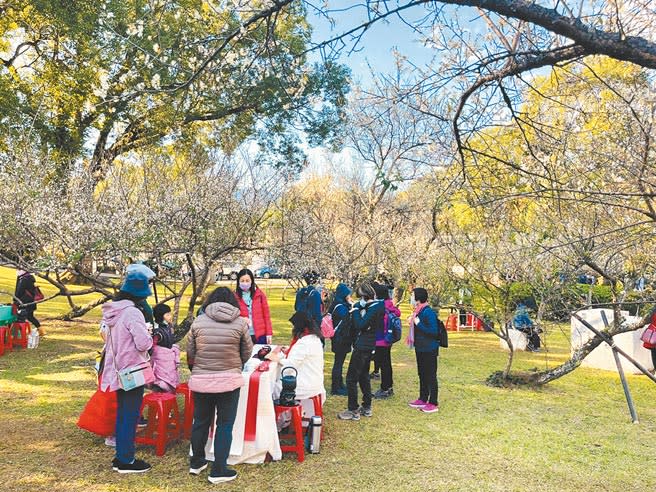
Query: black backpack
{"points": [[442, 334], [343, 336]]}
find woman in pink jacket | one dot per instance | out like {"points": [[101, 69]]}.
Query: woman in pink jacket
{"points": [[383, 355], [254, 307], [128, 341]]}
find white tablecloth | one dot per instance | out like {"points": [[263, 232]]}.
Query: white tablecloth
{"points": [[266, 435]]}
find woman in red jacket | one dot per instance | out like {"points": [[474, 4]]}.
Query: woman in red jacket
{"points": [[254, 307]]}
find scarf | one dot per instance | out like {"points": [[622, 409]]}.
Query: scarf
{"points": [[410, 339]]}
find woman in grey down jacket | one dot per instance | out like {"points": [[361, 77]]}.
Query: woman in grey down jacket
{"points": [[218, 347]]}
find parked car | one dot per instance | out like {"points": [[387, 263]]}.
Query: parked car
{"points": [[228, 271], [269, 272]]}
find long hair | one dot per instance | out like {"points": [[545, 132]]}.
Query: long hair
{"points": [[301, 322], [241, 273], [221, 294]]}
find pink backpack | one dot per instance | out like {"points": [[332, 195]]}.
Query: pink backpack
{"points": [[327, 328]]}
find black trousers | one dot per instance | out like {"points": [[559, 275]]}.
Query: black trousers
{"points": [[28, 315], [383, 359], [207, 407], [358, 373], [338, 369], [427, 370]]}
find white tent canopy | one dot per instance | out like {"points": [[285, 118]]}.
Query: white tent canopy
{"points": [[602, 356]]}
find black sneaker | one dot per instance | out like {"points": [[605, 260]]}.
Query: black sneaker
{"points": [[365, 411], [195, 470], [383, 394], [137, 466], [224, 476], [115, 463]]}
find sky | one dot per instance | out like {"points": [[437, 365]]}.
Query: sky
{"points": [[377, 44], [375, 49]]}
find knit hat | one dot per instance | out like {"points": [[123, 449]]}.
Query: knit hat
{"points": [[136, 280], [159, 311]]}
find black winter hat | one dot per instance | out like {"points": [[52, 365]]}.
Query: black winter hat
{"points": [[159, 311]]}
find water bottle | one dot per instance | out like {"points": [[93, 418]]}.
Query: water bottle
{"points": [[35, 337], [314, 434]]}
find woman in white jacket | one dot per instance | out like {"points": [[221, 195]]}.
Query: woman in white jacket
{"points": [[305, 354]]}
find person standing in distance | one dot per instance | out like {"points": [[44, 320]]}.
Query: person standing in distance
{"points": [[254, 306], [423, 336]]}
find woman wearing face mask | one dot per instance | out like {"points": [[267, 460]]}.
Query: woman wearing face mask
{"points": [[368, 317], [254, 307]]}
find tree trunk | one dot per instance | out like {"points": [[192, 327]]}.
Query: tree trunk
{"points": [[545, 377], [511, 353]]}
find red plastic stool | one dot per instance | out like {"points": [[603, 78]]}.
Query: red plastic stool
{"points": [[188, 417], [9, 341], [21, 327], [318, 410], [297, 421], [163, 418], [4, 331]]}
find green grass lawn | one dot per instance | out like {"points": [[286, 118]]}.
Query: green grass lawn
{"points": [[573, 435]]}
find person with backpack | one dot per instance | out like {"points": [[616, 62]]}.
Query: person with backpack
{"points": [[383, 353], [368, 317], [341, 340], [253, 306], [424, 337], [308, 299]]}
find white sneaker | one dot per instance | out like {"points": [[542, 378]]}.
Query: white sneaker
{"points": [[196, 471], [110, 441]]}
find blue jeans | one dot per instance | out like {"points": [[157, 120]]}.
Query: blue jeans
{"points": [[260, 340], [206, 406], [127, 413]]}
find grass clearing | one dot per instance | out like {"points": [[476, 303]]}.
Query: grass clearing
{"points": [[573, 435]]}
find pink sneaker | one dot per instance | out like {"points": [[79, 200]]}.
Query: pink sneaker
{"points": [[417, 404], [429, 408]]}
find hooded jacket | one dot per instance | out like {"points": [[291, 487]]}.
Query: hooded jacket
{"points": [[217, 348], [128, 340], [165, 362], [261, 314], [367, 321], [339, 310]]}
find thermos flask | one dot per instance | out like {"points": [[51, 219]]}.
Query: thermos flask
{"points": [[314, 431]]}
